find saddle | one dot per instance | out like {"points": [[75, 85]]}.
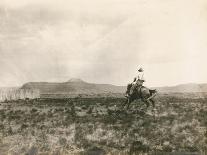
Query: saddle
{"points": [[137, 89]]}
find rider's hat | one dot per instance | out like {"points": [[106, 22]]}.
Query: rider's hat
{"points": [[140, 69]]}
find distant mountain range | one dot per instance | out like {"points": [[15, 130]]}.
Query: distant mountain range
{"points": [[78, 86]]}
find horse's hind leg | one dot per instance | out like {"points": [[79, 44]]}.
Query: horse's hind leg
{"points": [[128, 104], [153, 102], [147, 102]]}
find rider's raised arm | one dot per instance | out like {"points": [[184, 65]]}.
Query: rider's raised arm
{"points": [[135, 79]]}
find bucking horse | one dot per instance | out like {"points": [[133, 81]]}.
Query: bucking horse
{"points": [[145, 94]]}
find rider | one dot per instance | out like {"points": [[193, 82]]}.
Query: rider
{"points": [[137, 82], [140, 78]]}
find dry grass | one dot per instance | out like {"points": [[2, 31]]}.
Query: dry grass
{"points": [[101, 125]]}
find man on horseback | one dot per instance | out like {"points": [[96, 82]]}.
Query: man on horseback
{"points": [[136, 90], [136, 84]]}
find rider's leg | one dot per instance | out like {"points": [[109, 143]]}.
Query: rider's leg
{"points": [[132, 89]]}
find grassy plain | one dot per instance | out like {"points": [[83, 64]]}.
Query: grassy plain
{"points": [[103, 126]]}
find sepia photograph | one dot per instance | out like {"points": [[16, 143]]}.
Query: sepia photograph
{"points": [[103, 77]]}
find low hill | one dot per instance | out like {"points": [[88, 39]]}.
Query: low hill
{"points": [[184, 88]]}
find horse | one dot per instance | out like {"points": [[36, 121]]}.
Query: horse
{"points": [[145, 94]]}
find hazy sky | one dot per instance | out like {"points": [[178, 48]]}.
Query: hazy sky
{"points": [[103, 41]]}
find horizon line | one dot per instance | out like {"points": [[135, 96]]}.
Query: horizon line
{"points": [[174, 85]]}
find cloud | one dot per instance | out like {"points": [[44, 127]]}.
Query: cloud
{"points": [[102, 41]]}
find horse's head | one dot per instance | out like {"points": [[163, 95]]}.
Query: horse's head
{"points": [[152, 91]]}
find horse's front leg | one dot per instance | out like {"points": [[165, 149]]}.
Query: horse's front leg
{"points": [[126, 102], [128, 106]]}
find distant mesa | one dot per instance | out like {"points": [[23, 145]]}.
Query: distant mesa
{"points": [[76, 80], [73, 86]]}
